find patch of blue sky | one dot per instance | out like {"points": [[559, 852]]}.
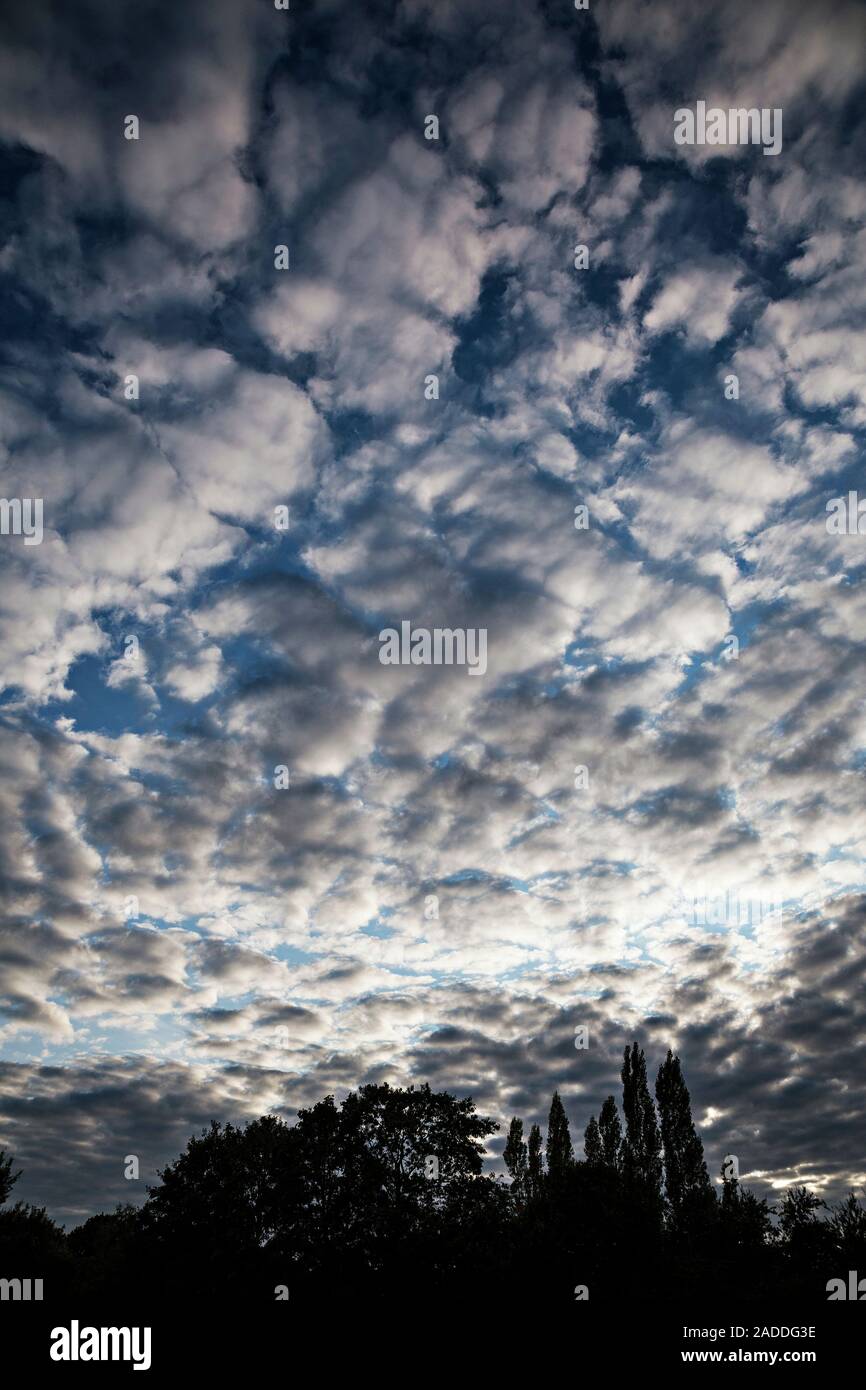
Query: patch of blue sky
{"points": [[93, 1035], [294, 955], [836, 852], [99, 708], [30, 1045], [378, 925], [165, 1034], [584, 654], [746, 567], [487, 338], [250, 659], [113, 710]]}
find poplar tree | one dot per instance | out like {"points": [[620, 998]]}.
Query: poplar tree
{"points": [[592, 1145], [610, 1132], [516, 1158], [687, 1181], [641, 1151], [560, 1154], [535, 1163]]}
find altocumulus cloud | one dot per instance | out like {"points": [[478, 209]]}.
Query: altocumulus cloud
{"points": [[252, 471]]}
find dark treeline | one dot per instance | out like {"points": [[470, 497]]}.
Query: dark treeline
{"points": [[383, 1197]]}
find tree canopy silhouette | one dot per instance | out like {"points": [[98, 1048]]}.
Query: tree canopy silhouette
{"points": [[385, 1193], [8, 1179]]}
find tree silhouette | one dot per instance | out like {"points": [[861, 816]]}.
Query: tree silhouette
{"points": [[592, 1145], [384, 1195], [610, 1132], [31, 1245], [516, 1158], [687, 1184], [797, 1211], [804, 1237], [535, 1162], [559, 1152], [744, 1220], [8, 1179], [642, 1163], [848, 1232]]}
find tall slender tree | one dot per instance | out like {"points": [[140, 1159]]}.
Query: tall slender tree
{"points": [[610, 1132], [592, 1146], [642, 1145], [516, 1158], [535, 1163], [560, 1154], [687, 1182]]}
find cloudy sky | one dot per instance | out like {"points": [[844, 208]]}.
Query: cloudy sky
{"points": [[432, 897]]}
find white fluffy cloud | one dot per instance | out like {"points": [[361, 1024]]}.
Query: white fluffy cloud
{"points": [[432, 893]]}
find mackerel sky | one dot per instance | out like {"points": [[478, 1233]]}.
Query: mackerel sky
{"points": [[431, 898]]}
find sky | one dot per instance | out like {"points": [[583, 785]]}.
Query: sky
{"points": [[253, 461]]}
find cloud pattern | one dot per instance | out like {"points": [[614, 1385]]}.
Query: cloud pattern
{"points": [[432, 897]]}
